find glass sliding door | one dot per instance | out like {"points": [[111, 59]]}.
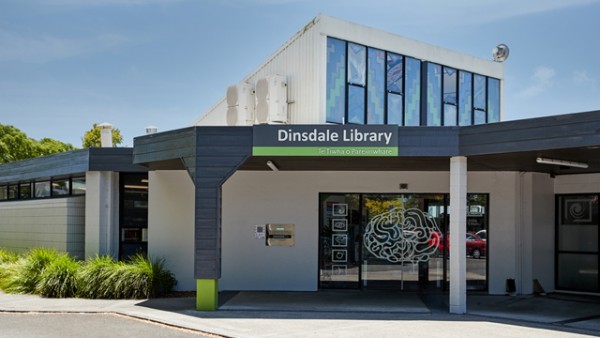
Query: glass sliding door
{"points": [[399, 241], [396, 241]]}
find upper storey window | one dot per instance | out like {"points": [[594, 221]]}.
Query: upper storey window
{"points": [[371, 86]]}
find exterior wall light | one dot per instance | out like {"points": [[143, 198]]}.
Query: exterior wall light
{"points": [[543, 160], [272, 166]]}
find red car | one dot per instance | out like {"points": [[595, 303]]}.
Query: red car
{"points": [[476, 247]]}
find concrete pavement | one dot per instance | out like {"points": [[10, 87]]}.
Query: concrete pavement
{"points": [[346, 314]]}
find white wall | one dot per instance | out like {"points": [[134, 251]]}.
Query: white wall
{"points": [[572, 184], [52, 223], [171, 223], [251, 198], [102, 213]]}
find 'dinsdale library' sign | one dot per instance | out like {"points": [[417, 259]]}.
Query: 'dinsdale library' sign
{"points": [[325, 140]]}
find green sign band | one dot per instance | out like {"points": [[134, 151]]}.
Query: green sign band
{"points": [[325, 151]]}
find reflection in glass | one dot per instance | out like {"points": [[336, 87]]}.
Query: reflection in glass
{"points": [[493, 100], [412, 107], [78, 185], [42, 189], [394, 73], [13, 192], [25, 190], [357, 64], [356, 105], [376, 87], [450, 85], [60, 187], [336, 80], [394, 114], [434, 94], [465, 98], [3, 192], [449, 115], [578, 272], [479, 100]]}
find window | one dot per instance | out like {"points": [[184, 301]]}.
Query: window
{"points": [[13, 192], [366, 85], [479, 100], [395, 100], [577, 245], [434, 94], [465, 98], [78, 185], [493, 113], [412, 89], [42, 189], [336, 80], [357, 80], [3, 192], [450, 97], [133, 214], [60, 187], [376, 86]]}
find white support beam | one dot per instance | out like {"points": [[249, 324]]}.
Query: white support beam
{"points": [[458, 229]]}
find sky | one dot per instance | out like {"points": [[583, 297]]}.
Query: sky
{"points": [[67, 64]]}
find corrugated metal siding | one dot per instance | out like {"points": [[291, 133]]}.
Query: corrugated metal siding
{"points": [[298, 60]]}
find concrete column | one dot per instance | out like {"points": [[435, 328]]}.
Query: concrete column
{"points": [[458, 229], [101, 214]]}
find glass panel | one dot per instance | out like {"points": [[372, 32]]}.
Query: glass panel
{"points": [[578, 272], [25, 191], [78, 185], [42, 189], [394, 73], [479, 100], [3, 193], [133, 214], [394, 113], [399, 250], [477, 205], [13, 192], [357, 64], [578, 223], [450, 85], [434, 95], [340, 250], [465, 97], [336, 80], [412, 108], [60, 187], [449, 115], [356, 105], [493, 100], [376, 87]]}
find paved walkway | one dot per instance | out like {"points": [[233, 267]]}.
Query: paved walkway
{"points": [[346, 314]]}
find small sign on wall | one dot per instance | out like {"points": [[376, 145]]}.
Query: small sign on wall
{"points": [[259, 232]]}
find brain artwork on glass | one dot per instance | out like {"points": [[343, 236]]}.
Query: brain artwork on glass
{"points": [[402, 235]]}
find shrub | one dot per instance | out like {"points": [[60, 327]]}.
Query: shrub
{"points": [[7, 257], [103, 277], [59, 278], [51, 274], [92, 277], [23, 275]]}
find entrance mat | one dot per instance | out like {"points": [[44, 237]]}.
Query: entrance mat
{"points": [[327, 301]]}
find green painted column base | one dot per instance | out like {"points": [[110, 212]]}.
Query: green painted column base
{"points": [[207, 294]]}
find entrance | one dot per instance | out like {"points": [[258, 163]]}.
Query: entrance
{"points": [[395, 241]]}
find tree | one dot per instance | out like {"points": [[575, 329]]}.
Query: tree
{"points": [[92, 139], [15, 145]]}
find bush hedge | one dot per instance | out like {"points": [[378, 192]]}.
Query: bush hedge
{"points": [[51, 274]]}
